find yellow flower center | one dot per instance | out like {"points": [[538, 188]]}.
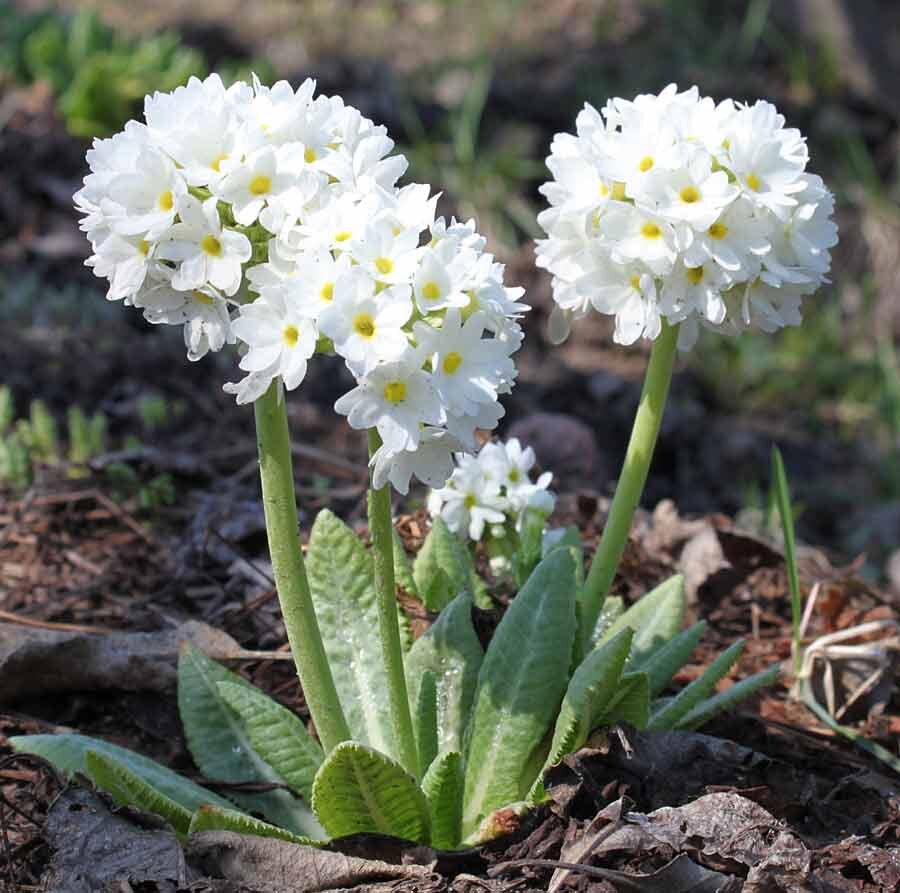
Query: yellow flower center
{"points": [[290, 335], [645, 164], [470, 501], [211, 245], [217, 162], [166, 201], [514, 475], [694, 275], [364, 325], [384, 265], [309, 155], [718, 231], [144, 247], [650, 231], [327, 292], [452, 362], [635, 282], [342, 236], [395, 391], [202, 297], [689, 195], [431, 291], [260, 185], [471, 307], [618, 191], [604, 189], [754, 182]]}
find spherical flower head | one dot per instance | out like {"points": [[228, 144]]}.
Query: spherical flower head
{"points": [[271, 218], [494, 487], [652, 194]]}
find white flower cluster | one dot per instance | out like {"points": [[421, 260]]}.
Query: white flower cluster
{"points": [[270, 218], [493, 487], [674, 207]]}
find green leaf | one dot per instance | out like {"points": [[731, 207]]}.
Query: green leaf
{"points": [[529, 552], [451, 651], [655, 618], [669, 715], [631, 703], [127, 789], [211, 818], [443, 786], [425, 720], [222, 747], [403, 572], [613, 608], [68, 752], [705, 711], [520, 686], [358, 790], [276, 734], [442, 567], [341, 579], [664, 663]]}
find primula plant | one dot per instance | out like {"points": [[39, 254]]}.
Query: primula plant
{"points": [[269, 219]]}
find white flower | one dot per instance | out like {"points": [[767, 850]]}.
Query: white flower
{"points": [[431, 462], [397, 399], [205, 250], [366, 326], [470, 500], [145, 200], [260, 178], [651, 192]]}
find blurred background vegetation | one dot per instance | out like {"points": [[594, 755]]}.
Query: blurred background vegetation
{"points": [[473, 91]]}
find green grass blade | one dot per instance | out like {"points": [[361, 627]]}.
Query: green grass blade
{"points": [[127, 789], [520, 687], [341, 580], [783, 500], [725, 700], [359, 790], [663, 664], [443, 786], [668, 716], [277, 735]]}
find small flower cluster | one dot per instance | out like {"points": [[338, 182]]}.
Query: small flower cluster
{"points": [[270, 218], [674, 207], [493, 487]]}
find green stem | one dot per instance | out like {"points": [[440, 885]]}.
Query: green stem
{"points": [[280, 504], [632, 479], [381, 528]]}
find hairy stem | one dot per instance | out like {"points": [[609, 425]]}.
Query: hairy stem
{"points": [[381, 528], [631, 481], [276, 472]]}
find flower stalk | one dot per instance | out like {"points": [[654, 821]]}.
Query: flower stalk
{"points": [[381, 528], [279, 501], [631, 481]]}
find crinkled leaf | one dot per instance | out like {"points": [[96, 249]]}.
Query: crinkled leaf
{"points": [[222, 747], [673, 711], [211, 818], [127, 789], [662, 664], [425, 720], [358, 789], [631, 703], [451, 651], [67, 753], [591, 688], [520, 686], [442, 567], [443, 786], [341, 578], [655, 618], [276, 734], [707, 709], [613, 609], [403, 573]]}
